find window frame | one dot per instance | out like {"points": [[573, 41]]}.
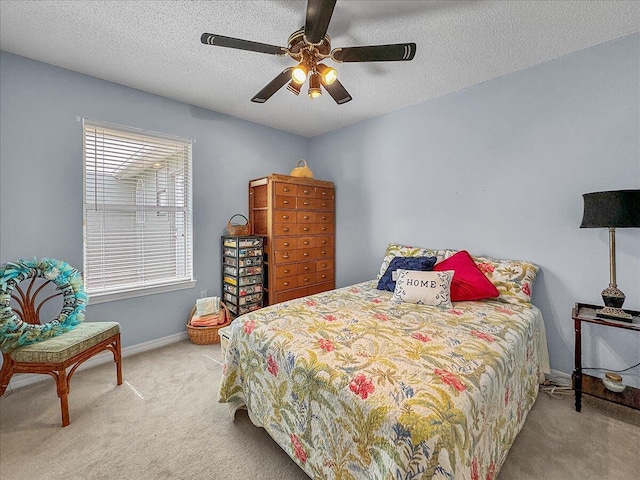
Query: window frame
{"points": [[153, 287]]}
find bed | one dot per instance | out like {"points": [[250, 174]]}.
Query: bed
{"points": [[352, 384]]}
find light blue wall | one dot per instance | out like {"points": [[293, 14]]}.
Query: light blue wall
{"points": [[499, 169], [41, 176]]}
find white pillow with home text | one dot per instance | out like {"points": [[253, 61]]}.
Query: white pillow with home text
{"points": [[423, 288]]}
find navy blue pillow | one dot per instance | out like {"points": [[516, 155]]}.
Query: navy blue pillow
{"points": [[407, 263]]}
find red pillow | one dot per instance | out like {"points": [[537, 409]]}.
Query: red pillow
{"points": [[469, 283]]}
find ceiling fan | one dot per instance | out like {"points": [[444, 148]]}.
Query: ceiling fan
{"points": [[309, 46]]}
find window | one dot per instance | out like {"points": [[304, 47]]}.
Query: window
{"points": [[137, 212]]}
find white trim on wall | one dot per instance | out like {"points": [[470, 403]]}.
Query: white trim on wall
{"points": [[22, 380], [560, 378]]}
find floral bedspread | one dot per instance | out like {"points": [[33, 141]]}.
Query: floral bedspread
{"points": [[353, 386]]}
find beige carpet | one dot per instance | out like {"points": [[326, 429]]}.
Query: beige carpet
{"points": [[164, 423]]}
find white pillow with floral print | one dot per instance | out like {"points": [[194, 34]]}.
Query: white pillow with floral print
{"points": [[397, 250], [423, 288], [513, 278]]}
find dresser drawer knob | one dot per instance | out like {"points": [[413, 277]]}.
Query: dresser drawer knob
{"points": [[285, 256], [306, 217], [306, 254], [306, 192], [285, 217], [324, 265], [324, 193], [286, 202], [324, 228], [307, 279], [285, 229], [286, 284], [324, 276], [307, 203], [306, 242], [287, 271], [286, 244], [307, 267], [323, 252], [306, 229], [285, 189]]}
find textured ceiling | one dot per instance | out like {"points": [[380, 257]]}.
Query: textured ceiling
{"points": [[155, 46]]}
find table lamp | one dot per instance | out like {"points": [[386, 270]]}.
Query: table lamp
{"points": [[614, 209]]}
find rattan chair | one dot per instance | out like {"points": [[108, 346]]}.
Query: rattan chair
{"points": [[53, 356]]}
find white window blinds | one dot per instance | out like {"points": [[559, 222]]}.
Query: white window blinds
{"points": [[137, 209]]}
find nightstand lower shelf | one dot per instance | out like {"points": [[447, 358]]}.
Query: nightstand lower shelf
{"points": [[593, 386], [584, 313]]}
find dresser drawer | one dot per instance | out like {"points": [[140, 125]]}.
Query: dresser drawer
{"points": [[324, 264], [283, 201], [325, 204], [284, 189], [291, 294], [306, 229], [285, 243], [286, 283], [285, 256], [306, 279], [307, 254], [324, 217], [305, 191], [320, 287], [288, 270], [306, 267], [326, 228], [324, 241], [307, 242], [285, 216], [284, 229], [306, 217], [303, 203], [325, 276], [324, 252], [324, 192]]}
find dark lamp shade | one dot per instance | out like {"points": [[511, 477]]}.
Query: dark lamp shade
{"points": [[619, 209]]}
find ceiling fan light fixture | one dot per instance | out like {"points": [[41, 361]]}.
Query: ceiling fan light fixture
{"points": [[329, 74], [308, 46], [294, 87], [314, 85], [299, 74]]}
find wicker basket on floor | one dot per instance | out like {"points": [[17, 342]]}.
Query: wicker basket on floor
{"points": [[208, 335]]}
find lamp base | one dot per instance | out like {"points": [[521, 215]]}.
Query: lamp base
{"points": [[613, 297], [613, 313]]}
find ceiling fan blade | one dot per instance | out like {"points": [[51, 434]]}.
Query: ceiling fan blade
{"points": [[273, 86], [318, 16], [230, 42], [338, 92], [375, 53]]}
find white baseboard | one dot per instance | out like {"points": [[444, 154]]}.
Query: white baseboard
{"points": [[561, 378], [21, 380]]}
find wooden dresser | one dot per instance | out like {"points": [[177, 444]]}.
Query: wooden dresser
{"points": [[297, 216]]}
